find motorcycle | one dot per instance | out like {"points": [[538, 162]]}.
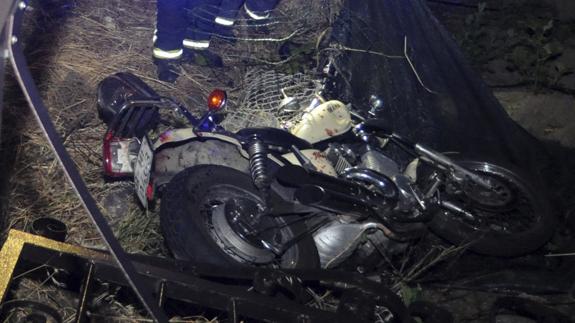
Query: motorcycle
{"points": [[322, 194]]}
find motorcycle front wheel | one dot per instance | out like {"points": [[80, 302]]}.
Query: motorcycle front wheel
{"points": [[510, 220], [213, 214]]}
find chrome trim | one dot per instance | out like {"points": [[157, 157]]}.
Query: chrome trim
{"points": [[383, 184], [336, 242], [446, 162]]}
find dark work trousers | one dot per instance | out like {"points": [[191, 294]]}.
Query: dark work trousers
{"points": [[259, 9], [171, 24], [182, 19], [255, 9], [191, 23], [201, 22]]}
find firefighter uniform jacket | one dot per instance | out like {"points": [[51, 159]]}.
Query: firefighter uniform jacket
{"points": [[191, 23]]}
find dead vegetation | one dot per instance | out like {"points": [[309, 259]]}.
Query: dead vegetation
{"points": [[71, 46]]}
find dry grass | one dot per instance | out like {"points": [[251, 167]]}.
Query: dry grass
{"points": [[69, 52]]}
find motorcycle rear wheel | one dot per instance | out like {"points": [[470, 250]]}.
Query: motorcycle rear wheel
{"points": [[512, 221], [197, 213]]}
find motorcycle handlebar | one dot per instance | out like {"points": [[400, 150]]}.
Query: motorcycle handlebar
{"points": [[377, 126]]}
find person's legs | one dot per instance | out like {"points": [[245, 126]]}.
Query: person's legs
{"points": [[226, 18], [199, 33], [228, 12], [170, 29], [259, 9], [201, 15]]}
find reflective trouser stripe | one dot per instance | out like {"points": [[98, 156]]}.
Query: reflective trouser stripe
{"points": [[254, 15], [224, 21], [167, 54], [196, 44]]}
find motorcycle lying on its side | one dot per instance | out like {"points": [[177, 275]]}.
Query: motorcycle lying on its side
{"points": [[323, 194]]}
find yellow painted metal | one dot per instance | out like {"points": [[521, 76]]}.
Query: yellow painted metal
{"points": [[12, 250]]}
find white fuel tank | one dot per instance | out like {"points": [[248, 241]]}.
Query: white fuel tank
{"points": [[329, 119]]}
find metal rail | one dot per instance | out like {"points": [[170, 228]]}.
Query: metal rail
{"points": [[242, 293], [13, 48]]}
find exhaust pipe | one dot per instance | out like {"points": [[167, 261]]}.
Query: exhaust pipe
{"points": [[383, 184]]}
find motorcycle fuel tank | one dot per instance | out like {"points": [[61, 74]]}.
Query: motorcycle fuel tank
{"points": [[329, 119]]}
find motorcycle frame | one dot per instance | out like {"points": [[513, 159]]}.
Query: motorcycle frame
{"points": [[182, 136]]}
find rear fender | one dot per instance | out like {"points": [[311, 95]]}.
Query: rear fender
{"points": [[176, 150]]}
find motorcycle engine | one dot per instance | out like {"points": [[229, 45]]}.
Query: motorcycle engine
{"points": [[348, 243], [345, 241], [343, 158]]}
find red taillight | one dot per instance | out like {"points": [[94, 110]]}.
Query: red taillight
{"points": [[217, 99], [117, 160], [150, 192]]}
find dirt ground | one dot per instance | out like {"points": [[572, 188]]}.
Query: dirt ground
{"points": [[72, 45], [526, 55]]}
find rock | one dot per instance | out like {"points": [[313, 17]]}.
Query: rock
{"points": [[568, 81], [116, 203], [109, 23], [566, 62], [567, 58], [546, 116], [497, 72]]}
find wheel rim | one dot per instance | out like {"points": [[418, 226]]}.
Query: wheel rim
{"points": [[235, 223], [510, 209], [500, 197]]}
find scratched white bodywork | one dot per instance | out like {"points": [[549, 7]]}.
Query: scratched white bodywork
{"points": [[317, 158], [329, 119]]}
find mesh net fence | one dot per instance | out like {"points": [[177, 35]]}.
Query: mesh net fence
{"points": [[260, 104], [270, 60]]}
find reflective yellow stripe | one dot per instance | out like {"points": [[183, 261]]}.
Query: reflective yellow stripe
{"points": [[224, 21], [253, 15], [196, 44], [167, 54]]}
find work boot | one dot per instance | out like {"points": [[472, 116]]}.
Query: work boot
{"points": [[168, 69]]}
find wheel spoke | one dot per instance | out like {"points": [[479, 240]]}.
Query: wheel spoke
{"points": [[505, 209]]}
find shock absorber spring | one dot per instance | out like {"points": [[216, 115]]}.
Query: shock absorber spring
{"points": [[257, 151]]}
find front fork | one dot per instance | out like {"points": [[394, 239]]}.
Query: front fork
{"points": [[445, 163], [432, 192]]}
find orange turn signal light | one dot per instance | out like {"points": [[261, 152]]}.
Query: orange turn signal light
{"points": [[217, 99]]}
